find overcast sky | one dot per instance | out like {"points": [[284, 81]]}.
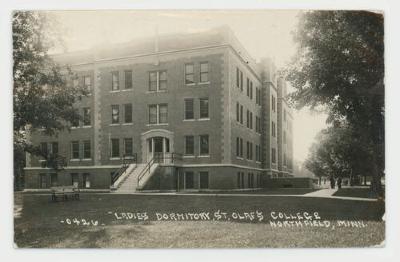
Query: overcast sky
{"points": [[263, 33]]}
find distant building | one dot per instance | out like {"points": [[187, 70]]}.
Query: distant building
{"points": [[183, 112]]}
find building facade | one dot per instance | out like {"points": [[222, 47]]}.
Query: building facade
{"points": [[198, 105]]}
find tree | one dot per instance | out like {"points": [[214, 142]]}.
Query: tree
{"points": [[43, 98], [339, 65]]}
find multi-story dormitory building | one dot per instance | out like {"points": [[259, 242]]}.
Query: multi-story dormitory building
{"points": [[196, 107]]}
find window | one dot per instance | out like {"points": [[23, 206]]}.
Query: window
{"points": [[87, 83], [115, 81], [163, 112], [189, 110], [86, 149], [189, 74], [152, 114], [204, 113], [53, 179], [251, 90], [251, 151], [86, 180], [189, 180], [241, 114], [75, 179], [204, 72], [114, 147], [75, 122], [251, 120], [237, 112], [248, 87], [203, 180], [248, 119], [248, 150], [128, 79], [240, 180], [43, 181], [241, 81], [204, 147], [128, 147], [43, 148], [128, 113], [153, 81], [241, 147], [273, 131], [189, 145], [237, 77], [237, 146], [115, 114], [54, 148], [273, 155], [75, 150], [157, 80], [86, 116]]}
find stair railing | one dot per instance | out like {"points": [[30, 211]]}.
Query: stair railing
{"points": [[126, 161]]}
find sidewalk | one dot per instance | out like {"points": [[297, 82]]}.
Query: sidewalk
{"points": [[328, 193]]}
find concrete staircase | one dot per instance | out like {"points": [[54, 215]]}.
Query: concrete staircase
{"points": [[129, 184]]}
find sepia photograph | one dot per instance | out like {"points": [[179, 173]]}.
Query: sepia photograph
{"points": [[252, 128]]}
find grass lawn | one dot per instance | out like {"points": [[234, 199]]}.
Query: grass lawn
{"points": [[356, 192], [39, 223]]}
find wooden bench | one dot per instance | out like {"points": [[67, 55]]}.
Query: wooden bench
{"points": [[64, 192]]}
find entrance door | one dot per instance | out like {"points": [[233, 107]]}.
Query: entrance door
{"points": [[158, 149]]}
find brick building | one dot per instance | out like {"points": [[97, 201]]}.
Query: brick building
{"points": [[174, 112]]}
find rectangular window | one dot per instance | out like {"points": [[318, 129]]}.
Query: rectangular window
{"points": [[162, 85], [86, 149], [163, 113], [128, 113], [241, 147], [75, 150], [284, 136], [75, 179], [251, 151], [189, 145], [237, 146], [251, 120], [241, 114], [43, 180], [86, 180], [251, 90], [128, 79], [248, 86], [54, 148], [152, 114], [273, 128], [86, 116], [115, 114], [128, 147], [248, 150], [204, 111], [273, 103], [204, 146], [153, 81], [115, 81], [241, 81], [189, 74], [189, 180], [115, 147], [273, 155], [203, 180], [75, 122], [248, 119], [87, 83], [237, 112], [204, 72], [53, 179], [189, 109], [44, 149], [237, 78]]}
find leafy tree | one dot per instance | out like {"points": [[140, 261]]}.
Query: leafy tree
{"points": [[43, 98], [339, 65]]}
